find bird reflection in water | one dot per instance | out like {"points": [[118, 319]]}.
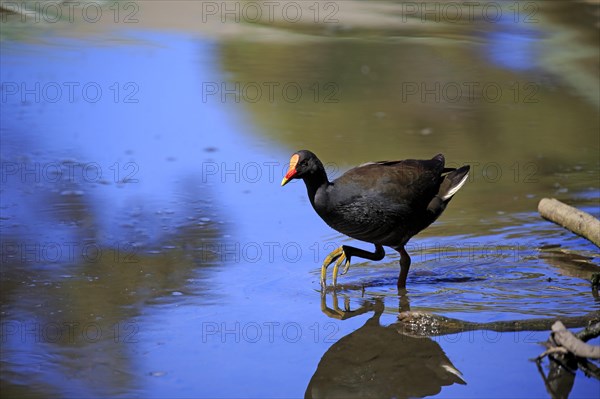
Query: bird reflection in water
{"points": [[380, 361]]}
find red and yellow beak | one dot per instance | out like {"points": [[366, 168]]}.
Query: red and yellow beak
{"points": [[291, 170]]}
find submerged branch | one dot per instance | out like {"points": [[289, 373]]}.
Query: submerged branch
{"points": [[427, 324], [590, 332]]}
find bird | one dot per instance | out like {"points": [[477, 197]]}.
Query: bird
{"points": [[384, 203]]}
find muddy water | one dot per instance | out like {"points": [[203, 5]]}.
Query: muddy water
{"points": [[148, 250]]}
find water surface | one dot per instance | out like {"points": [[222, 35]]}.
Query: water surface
{"points": [[149, 251]]}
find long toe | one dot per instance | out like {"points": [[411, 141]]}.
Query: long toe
{"points": [[323, 276], [346, 266], [336, 267], [332, 257]]}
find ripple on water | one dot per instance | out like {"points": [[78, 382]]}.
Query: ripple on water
{"points": [[483, 288]]}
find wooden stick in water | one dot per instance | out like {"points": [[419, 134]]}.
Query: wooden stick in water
{"points": [[577, 221]]}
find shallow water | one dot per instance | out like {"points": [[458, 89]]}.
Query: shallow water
{"points": [[148, 249]]}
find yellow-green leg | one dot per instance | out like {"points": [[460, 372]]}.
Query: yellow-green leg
{"points": [[343, 255], [337, 253], [336, 267]]}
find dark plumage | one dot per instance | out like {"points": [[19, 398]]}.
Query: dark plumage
{"points": [[384, 203]]}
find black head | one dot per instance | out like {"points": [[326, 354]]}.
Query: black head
{"points": [[303, 163]]}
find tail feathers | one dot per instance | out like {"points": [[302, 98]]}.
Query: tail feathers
{"points": [[455, 373], [452, 182]]}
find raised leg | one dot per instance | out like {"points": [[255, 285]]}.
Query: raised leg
{"points": [[343, 255], [404, 266]]}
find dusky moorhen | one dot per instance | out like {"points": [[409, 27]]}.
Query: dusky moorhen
{"points": [[384, 203]]}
